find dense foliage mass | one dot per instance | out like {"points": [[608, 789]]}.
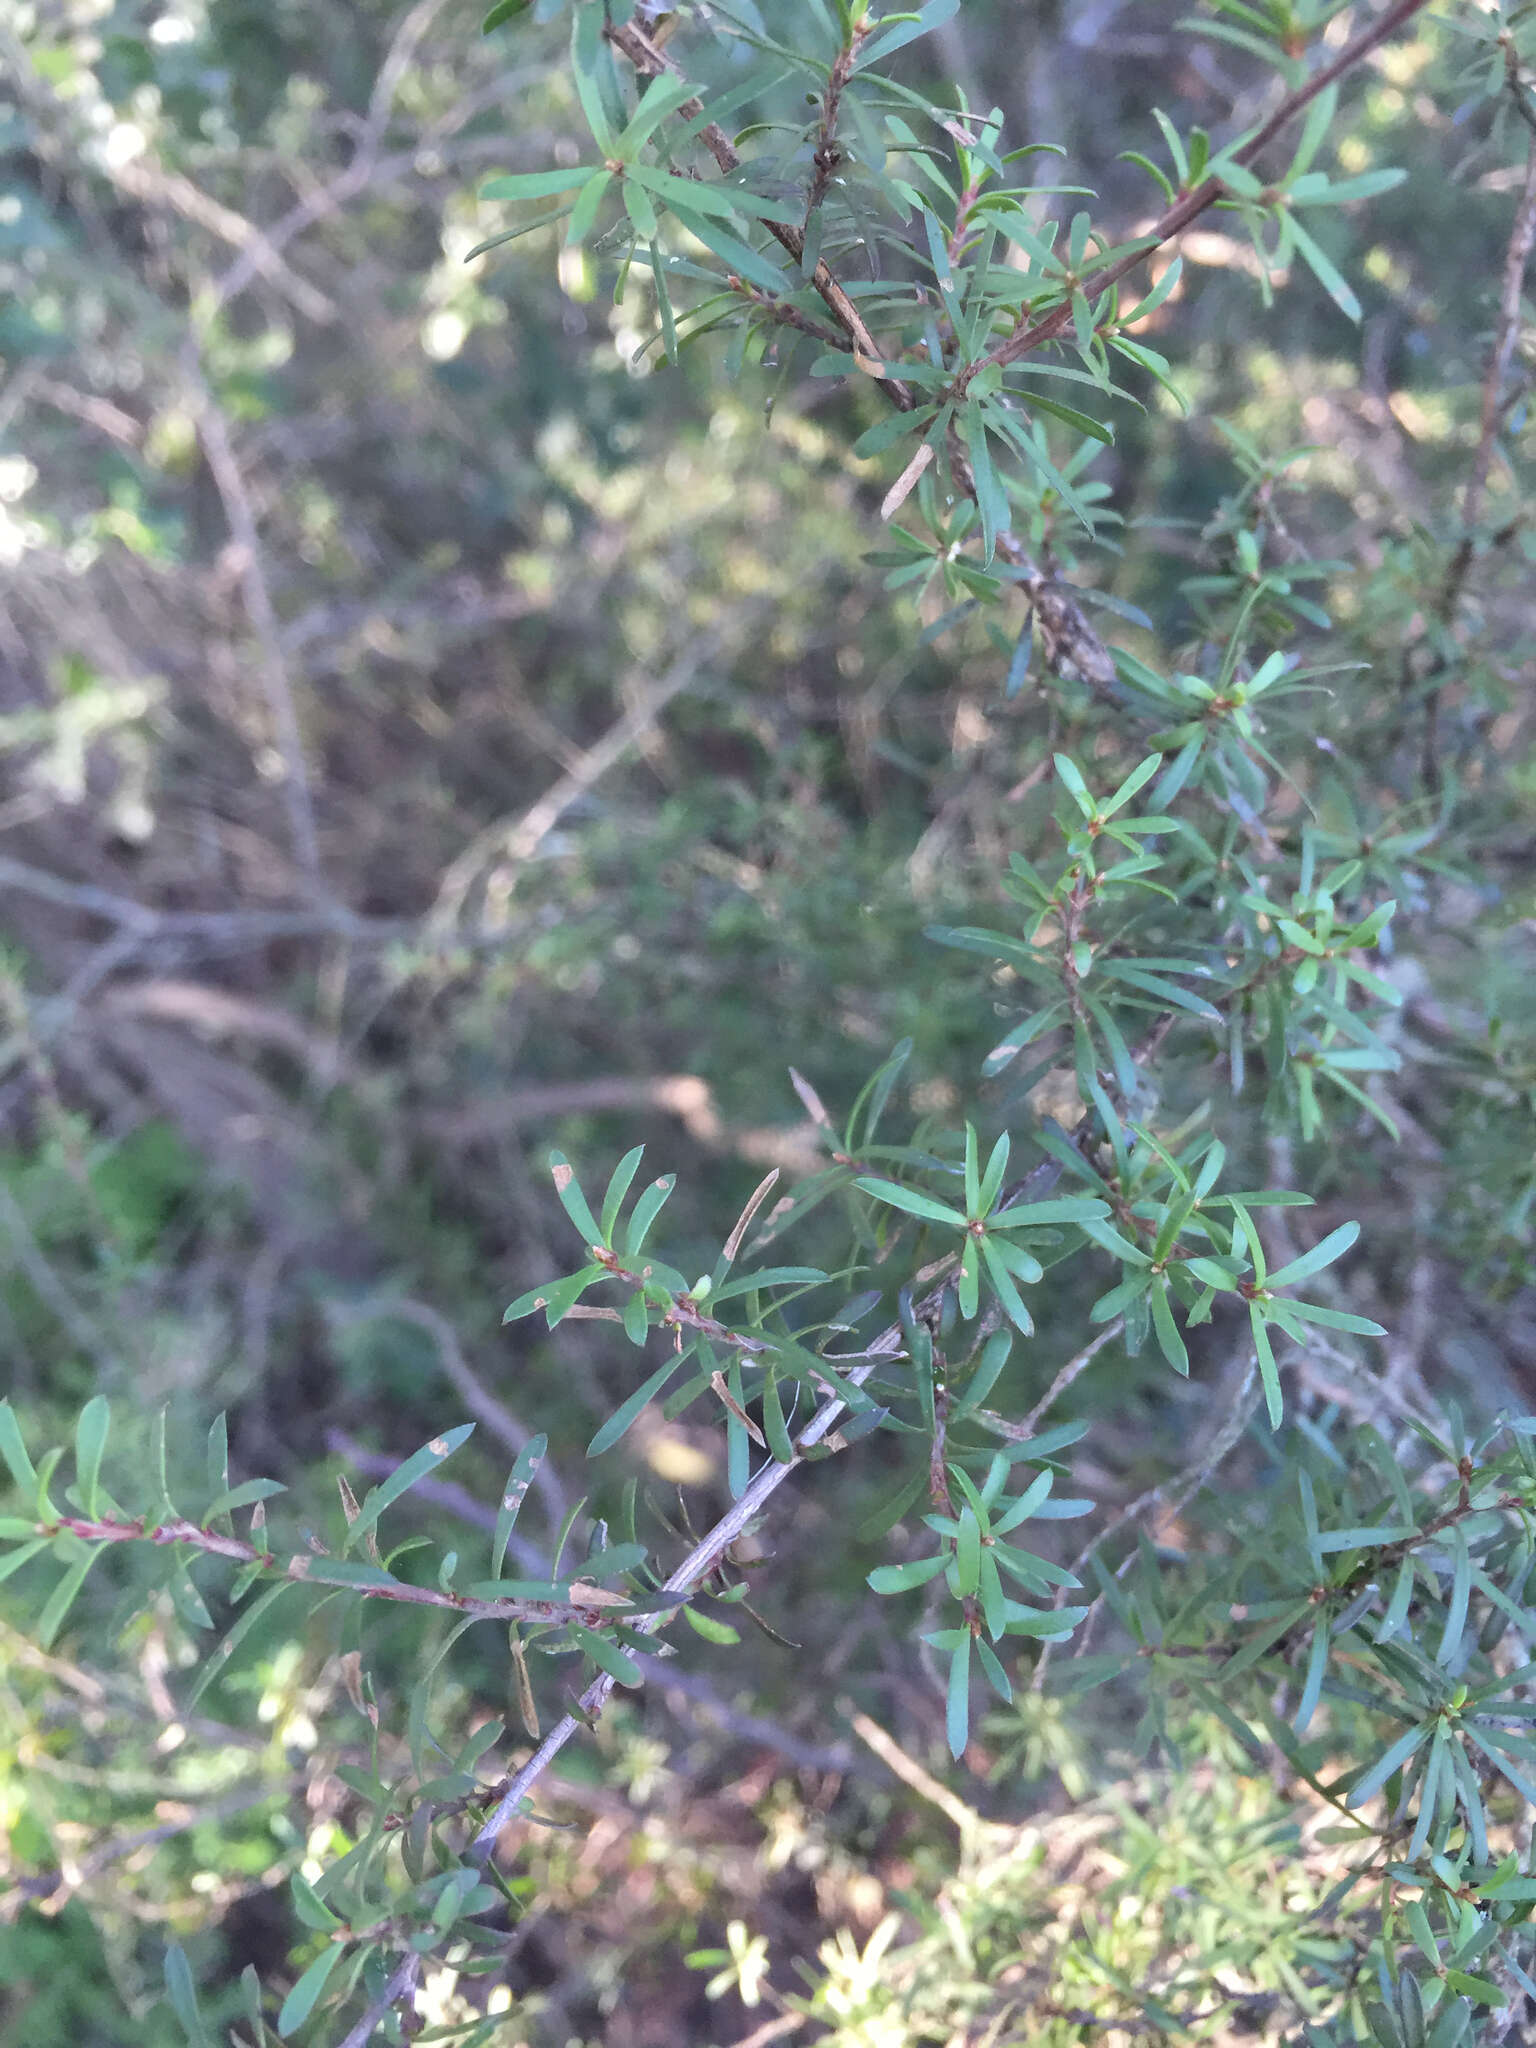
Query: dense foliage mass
{"points": [[547, 579]]}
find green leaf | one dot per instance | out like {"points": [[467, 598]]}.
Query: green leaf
{"points": [[417, 1466], [775, 1429], [895, 427], [1456, 1607], [555, 1297], [1170, 1342], [968, 1281], [572, 1200], [623, 1417], [991, 497], [664, 306], [901, 1578], [910, 1199], [967, 1553], [1316, 190], [305, 1995], [607, 1655], [738, 257], [1030, 1215], [504, 10], [536, 184], [1071, 777], [903, 30], [519, 1479], [1269, 1371], [1374, 1778], [312, 1910], [710, 1627], [218, 1659], [1009, 1299], [23, 1554], [957, 1709], [645, 1212], [1288, 1312], [14, 1451], [618, 1188], [1332, 1247], [1312, 1685], [1323, 270], [62, 1598], [182, 1993], [245, 1495], [662, 97], [91, 1428]]}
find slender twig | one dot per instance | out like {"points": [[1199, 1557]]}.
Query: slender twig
{"points": [[516, 841], [229, 480], [969, 1822], [1517, 255], [400, 1986], [1021, 1432], [1173, 1494], [827, 156], [55, 1886]]}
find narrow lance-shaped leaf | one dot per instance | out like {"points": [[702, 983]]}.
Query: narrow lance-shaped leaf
{"points": [[624, 1416], [417, 1466], [957, 1710], [645, 1212], [62, 1598], [182, 1993], [95, 1419], [519, 1479], [305, 1995], [1269, 1371], [14, 1450], [1332, 1247], [218, 1659], [913, 1201], [572, 1200], [606, 1655]]}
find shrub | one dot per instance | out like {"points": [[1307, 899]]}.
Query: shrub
{"points": [[1272, 812]]}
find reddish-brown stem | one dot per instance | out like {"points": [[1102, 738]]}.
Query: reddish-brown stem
{"points": [[827, 155], [312, 1569]]}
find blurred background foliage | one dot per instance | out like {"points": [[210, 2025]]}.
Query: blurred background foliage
{"points": [[431, 734]]}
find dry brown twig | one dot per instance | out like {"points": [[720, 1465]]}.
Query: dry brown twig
{"points": [[1517, 255], [277, 686]]}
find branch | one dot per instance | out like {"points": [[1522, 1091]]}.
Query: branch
{"points": [[1517, 255], [650, 62], [702, 1561], [318, 1569], [516, 841], [1025, 340]]}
